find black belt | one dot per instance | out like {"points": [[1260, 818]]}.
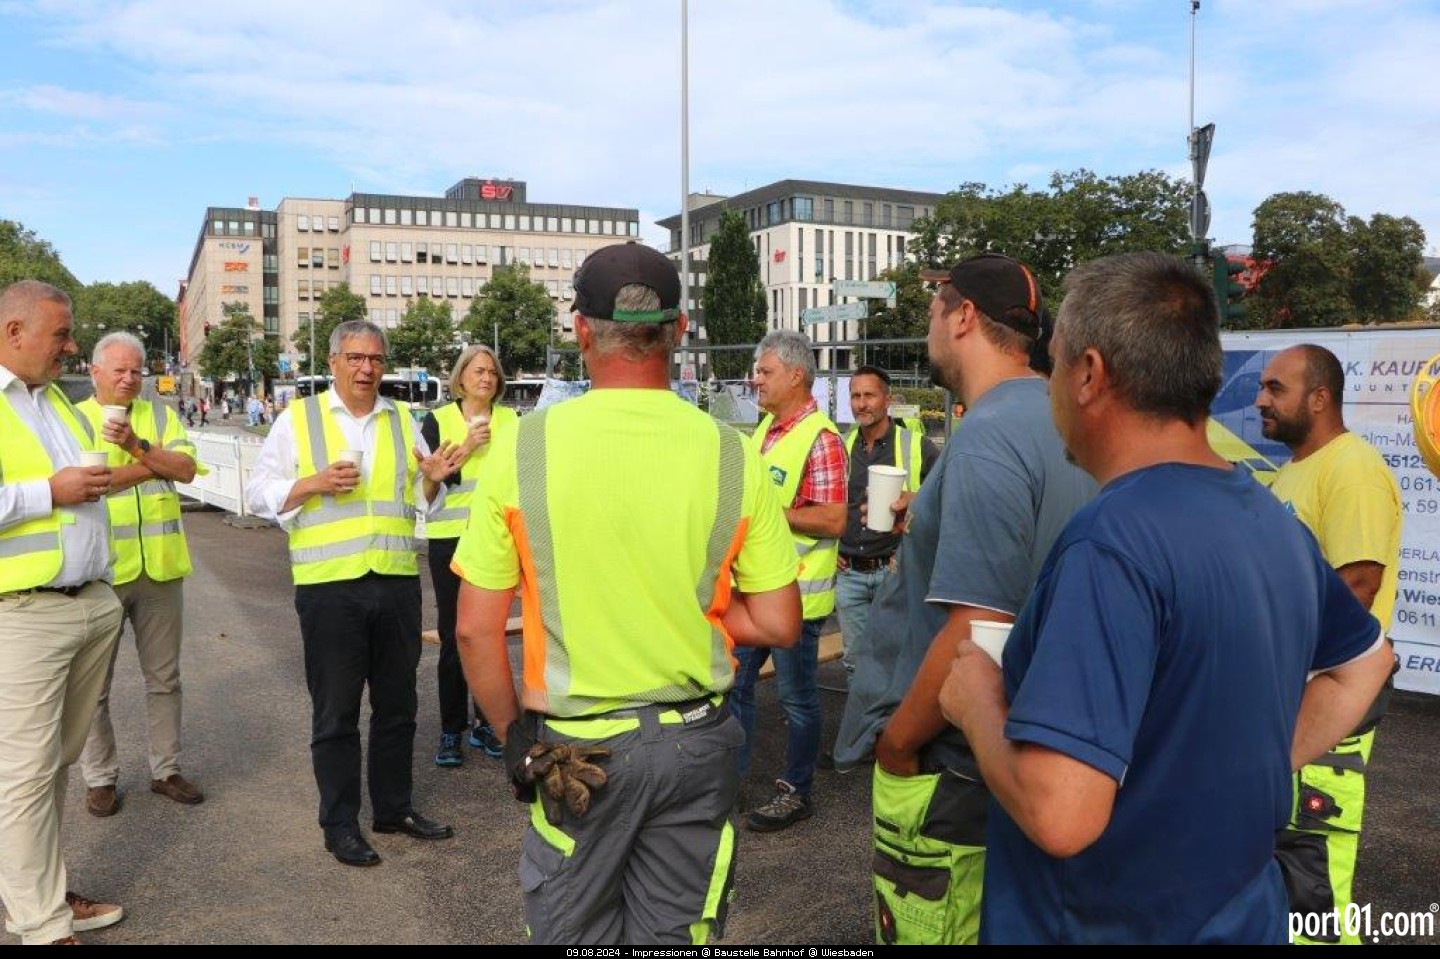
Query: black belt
{"points": [[70, 591], [867, 564]]}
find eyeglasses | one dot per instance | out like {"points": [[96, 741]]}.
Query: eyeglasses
{"points": [[357, 360]]}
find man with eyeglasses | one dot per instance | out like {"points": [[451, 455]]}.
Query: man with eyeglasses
{"points": [[343, 472]]}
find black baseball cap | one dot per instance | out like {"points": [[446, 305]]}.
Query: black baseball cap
{"points": [[610, 268], [1003, 288]]}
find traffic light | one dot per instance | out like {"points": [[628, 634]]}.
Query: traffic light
{"points": [[1229, 293]]}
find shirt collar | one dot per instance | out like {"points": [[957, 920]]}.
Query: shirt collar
{"points": [[783, 427], [382, 404]]}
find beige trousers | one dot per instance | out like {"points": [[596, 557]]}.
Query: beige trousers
{"points": [[155, 611], [54, 650]]}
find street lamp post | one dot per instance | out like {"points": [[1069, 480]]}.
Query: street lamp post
{"points": [[250, 361]]}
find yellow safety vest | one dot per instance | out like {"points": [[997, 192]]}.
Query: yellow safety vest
{"points": [[30, 552], [818, 557], [450, 522], [145, 531], [907, 453], [371, 529]]}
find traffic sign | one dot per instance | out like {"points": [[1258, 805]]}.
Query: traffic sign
{"points": [[834, 314], [867, 289]]}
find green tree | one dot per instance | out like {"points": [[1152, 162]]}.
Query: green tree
{"points": [[24, 256], [910, 317], [732, 302], [1386, 266], [337, 305], [226, 351], [102, 308], [425, 337], [1303, 236], [525, 314]]}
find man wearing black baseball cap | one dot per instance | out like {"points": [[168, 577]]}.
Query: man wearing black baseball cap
{"points": [[977, 533], [644, 541]]}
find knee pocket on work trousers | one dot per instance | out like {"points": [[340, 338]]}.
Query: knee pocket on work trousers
{"points": [[1330, 792], [929, 858], [544, 869]]}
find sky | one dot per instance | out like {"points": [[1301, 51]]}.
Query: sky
{"points": [[120, 122]]}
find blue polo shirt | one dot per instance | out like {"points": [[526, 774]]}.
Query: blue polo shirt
{"points": [[1167, 644]]}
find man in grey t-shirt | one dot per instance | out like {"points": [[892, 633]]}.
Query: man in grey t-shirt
{"points": [[978, 532]]}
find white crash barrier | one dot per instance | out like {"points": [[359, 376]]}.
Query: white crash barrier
{"points": [[228, 458]]}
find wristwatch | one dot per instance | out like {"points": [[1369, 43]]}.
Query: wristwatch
{"points": [[144, 445]]}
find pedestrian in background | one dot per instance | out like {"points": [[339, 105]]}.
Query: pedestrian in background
{"points": [[649, 547], [58, 615], [343, 474], [473, 424]]}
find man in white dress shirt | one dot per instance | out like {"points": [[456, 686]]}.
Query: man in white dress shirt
{"points": [[343, 473], [58, 615]]}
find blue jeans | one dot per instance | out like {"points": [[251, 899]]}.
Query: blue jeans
{"points": [[799, 696], [854, 592]]}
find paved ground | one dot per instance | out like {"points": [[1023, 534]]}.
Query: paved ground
{"points": [[248, 866]]}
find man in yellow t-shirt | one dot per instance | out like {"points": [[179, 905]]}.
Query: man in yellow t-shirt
{"points": [[1341, 489], [645, 544]]}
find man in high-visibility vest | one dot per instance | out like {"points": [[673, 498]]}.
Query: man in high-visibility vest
{"points": [[1339, 486], [802, 450], [645, 543], [865, 555], [58, 614], [976, 534], [151, 563], [343, 473]]}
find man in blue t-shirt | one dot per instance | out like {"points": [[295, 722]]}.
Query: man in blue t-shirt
{"points": [[1154, 697]]}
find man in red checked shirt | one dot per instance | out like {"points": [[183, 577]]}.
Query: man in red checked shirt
{"points": [[803, 452]]}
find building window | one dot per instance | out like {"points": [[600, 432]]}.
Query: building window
{"points": [[390, 216], [480, 255], [867, 214], [267, 230], [804, 208], [522, 254], [452, 286], [407, 286], [334, 224], [407, 252], [524, 222], [465, 221], [904, 216], [565, 263], [870, 259], [634, 228], [554, 256], [317, 257], [392, 251], [467, 286], [509, 221], [407, 217], [552, 224], [884, 214], [272, 295], [422, 285], [420, 217], [829, 210], [450, 218], [303, 316], [497, 256], [594, 226], [392, 317], [375, 284], [302, 223], [302, 256], [452, 253], [391, 286], [375, 254], [579, 258], [553, 288], [772, 214], [420, 255], [466, 253], [271, 263], [375, 215], [564, 224], [494, 221], [332, 257], [302, 289], [437, 286]]}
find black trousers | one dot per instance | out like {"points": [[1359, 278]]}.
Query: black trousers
{"points": [[450, 678], [361, 632]]}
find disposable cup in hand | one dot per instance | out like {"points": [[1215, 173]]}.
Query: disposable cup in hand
{"points": [[990, 637], [479, 419], [93, 457], [116, 414], [884, 487], [354, 457]]}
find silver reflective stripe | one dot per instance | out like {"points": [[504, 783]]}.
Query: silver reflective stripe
{"points": [[397, 436], [315, 427], [29, 543], [902, 438], [391, 509], [464, 486], [182, 442], [809, 587], [129, 531], [450, 515], [730, 492], [159, 412], [805, 549], [161, 528], [329, 512], [156, 488], [534, 506], [349, 547]]}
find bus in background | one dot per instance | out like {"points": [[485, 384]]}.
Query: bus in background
{"points": [[309, 385], [415, 386], [523, 392]]}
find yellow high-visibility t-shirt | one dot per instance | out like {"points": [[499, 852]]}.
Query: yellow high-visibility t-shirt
{"points": [[1348, 498]]}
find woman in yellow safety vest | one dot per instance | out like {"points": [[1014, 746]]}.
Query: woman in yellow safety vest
{"points": [[476, 423]]}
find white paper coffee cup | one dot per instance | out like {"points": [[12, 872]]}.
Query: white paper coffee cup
{"points": [[479, 419], [93, 457], [116, 414], [990, 636], [351, 456], [884, 486]]}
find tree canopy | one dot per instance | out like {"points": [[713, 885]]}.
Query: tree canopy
{"points": [[425, 337], [102, 308], [733, 299], [337, 305], [1323, 268], [24, 256], [525, 314], [226, 353]]}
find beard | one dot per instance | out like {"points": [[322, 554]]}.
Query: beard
{"points": [[943, 379], [1290, 431]]}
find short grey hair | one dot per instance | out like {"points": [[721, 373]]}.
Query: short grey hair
{"points": [[1155, 321], [637, 340], [457, 388], [794, 350], [19, 299], [118, 338], [352, 328]]}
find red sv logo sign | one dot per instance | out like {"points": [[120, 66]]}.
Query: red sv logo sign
{"points": [[493, 191]]}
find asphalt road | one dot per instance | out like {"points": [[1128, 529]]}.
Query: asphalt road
{"points": [[248, 866]]}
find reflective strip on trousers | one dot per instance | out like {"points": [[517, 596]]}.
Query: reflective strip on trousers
{"points": [[349, 547]]}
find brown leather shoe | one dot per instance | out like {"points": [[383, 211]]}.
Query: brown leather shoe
{"points": [[102, 801], [178, 788], [67, 941]]}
